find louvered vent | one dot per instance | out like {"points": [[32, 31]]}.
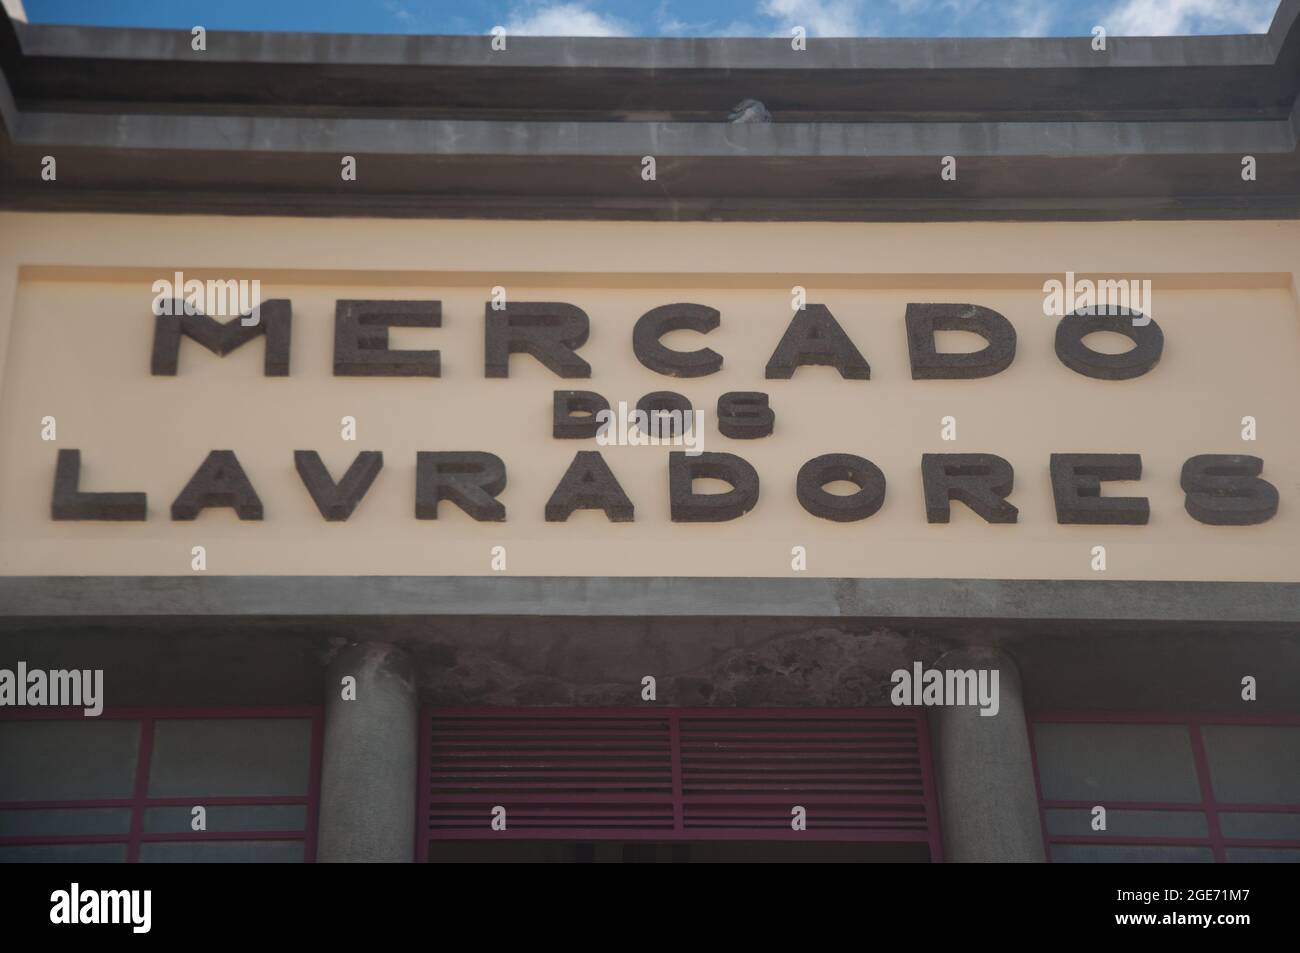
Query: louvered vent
{"points": [[851, 774], [553, 771], [678, 774]]}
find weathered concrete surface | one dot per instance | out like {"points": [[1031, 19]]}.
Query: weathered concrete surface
{"points": [[985, 775], [368, 784], [917, 54], [694, 663], [555, 127], [715, 661], [576, 141], [388, 597], [180, 663]]}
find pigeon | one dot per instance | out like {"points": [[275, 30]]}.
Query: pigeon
{"points": [[749, 110]]}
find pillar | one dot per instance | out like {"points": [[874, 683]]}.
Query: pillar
{"points": [[368, 766], [987, 797]]}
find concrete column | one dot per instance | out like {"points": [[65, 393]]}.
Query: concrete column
{"points": [[367, 791], [985, 775]]}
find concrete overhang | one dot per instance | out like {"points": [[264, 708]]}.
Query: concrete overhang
{"points": [[964, 601], [557, 127]]}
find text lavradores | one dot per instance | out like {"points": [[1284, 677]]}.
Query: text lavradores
{"points": [[1219, 489]]}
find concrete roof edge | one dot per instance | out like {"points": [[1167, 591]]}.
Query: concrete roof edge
{"points": [[1284, 24], [667, 53], [1159, 141], [606, 596], [424, 137]]}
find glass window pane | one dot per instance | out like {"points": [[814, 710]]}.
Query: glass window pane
{"points": [[1129, 854], [1263, 855], [62, 821], [1129, 823], [230, 757], [1254, 764], [223, 852], [1089, 762], [260, 817], [1266, 826], [83, 759], [63, 854]]}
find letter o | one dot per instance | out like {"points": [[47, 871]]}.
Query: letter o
{"points": [[1078, 357], [865, 475]]}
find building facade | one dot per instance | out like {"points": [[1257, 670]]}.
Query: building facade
{"points": [[329, 531]]}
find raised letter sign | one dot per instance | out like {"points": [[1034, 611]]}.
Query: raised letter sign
{"points": [[589, 484], [275, 319], [70, 503], [221, 482], [817, 472], [573, 414], [982, 481], [1225, 489], [745, 415], [654, 324], [815, 337], [1078, 357], [336, 501], [687, 506], [923, 320], [361, 338], [1076, 484], [665, 413], [471, 479], [548, 330]]}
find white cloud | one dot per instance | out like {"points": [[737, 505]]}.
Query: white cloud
{"points": [[949, 8], [399, 12], [818, 17], [745, 28], [670, 24], [565, 19], [983, 17], [1186, 17], [1031, 18]]}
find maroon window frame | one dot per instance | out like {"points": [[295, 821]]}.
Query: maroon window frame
{"points": [[890, 799], [139, 800], [1207, 805]]}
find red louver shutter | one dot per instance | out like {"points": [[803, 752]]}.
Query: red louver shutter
{"points": [[560, 774], [857, 777], [677, 774]]}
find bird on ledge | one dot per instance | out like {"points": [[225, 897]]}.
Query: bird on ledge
{"points": [[749, 110]]}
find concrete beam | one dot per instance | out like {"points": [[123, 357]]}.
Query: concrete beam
{"points": [[631, 140], [666, 54], [353, 597], [555, 127]]}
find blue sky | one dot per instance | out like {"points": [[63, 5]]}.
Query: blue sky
{"points": [[677, 17]]}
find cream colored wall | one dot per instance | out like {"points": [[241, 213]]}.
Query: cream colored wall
{"points": [[76, 329]]}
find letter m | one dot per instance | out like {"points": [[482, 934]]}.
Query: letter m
{"points": [[1109, 295], [274, 321], [66, 685], [118, 905], [962, 687]]}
